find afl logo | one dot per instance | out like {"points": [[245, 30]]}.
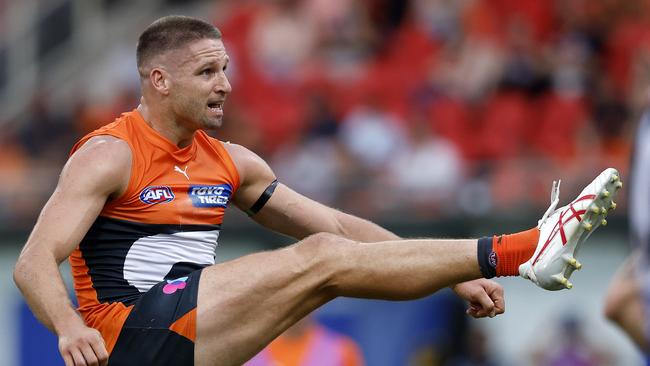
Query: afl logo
{"points": [[156, 194]]}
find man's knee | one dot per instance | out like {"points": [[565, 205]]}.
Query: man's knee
{"points": [[623, 293], [622, 296], [325, 253], [323, 246], [613, 304]]}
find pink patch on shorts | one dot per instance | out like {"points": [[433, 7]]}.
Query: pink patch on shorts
{"points": [[174, 285]]}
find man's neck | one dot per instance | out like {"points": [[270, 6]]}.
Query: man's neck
{"points": [[167, 128]]}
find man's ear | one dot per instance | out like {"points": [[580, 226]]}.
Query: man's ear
{"points": [[159, 80]]}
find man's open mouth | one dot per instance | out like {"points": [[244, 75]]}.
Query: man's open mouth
{"points": [[216, 107]]}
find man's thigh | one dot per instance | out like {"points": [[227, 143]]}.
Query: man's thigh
{"points": [[245, 303]]}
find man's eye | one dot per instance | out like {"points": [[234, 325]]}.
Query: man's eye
{"points": [[206, 72]]}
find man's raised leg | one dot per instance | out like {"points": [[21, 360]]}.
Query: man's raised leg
{"points": [[245, 303]]}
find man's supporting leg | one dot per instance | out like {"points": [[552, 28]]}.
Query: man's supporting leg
{"points": [[245, 303], [625, 306]]}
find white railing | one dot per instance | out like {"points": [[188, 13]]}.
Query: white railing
{"points": [[94, 28]]}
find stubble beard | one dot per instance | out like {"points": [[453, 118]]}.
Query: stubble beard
{"points": [[210, 123]]}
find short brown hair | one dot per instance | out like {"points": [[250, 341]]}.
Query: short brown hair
{"points": [[169, 33]]}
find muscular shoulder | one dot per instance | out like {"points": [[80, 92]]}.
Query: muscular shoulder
{"points": [[251, 167], [103, 162]]}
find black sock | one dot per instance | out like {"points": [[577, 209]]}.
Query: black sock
{"points": [[487, 260]]}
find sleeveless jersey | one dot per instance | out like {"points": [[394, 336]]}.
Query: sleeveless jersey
{"points": [[163, 227]]}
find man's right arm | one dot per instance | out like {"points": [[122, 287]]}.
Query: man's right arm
{"points": [[97, 171]]}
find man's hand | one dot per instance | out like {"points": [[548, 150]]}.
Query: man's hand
{"points": [[82, 346], [485, 297]]}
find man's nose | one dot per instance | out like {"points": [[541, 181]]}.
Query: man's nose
{"points": [[223, 86]]}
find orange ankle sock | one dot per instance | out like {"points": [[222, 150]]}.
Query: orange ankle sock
{"points": [[514, 249]]}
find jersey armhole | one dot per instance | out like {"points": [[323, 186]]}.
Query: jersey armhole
{"points": [[232, 167], [130, 184]]}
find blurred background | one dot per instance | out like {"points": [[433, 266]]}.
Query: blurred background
{"points": [[438, 118]]}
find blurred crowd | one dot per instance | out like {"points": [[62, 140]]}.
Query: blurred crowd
{"points": [[394, 109]]}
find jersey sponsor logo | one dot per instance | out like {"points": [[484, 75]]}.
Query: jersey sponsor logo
{"points": [[210, 196], [156, 194]]}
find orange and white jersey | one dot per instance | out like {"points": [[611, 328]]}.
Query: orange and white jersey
{"points": [[164, 226]]}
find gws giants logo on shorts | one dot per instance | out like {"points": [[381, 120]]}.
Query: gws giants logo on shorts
{"points": [[156, 194], [210, 196], [175, 285]]}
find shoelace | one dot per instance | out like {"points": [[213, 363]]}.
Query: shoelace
{"points": [[555, 199]]}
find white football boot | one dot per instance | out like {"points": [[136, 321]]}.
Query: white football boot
{"points": [[562, 231]]}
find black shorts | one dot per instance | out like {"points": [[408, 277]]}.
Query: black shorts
{"points": [[161, 328]]}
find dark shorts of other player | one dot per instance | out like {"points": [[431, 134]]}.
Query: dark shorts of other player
{"points": [[161, 328]]}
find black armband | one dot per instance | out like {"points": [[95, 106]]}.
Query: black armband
{"points": [[264, 197]]}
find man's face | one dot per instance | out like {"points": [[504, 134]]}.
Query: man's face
{"points": [[199, 85]]}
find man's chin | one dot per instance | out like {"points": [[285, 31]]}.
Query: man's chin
{"points": [[212, 123]]}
